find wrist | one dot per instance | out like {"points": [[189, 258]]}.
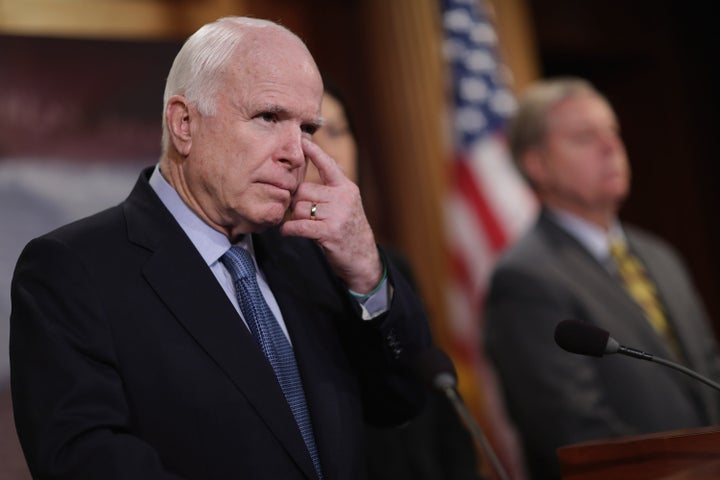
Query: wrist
{"points": [[365, 296]]}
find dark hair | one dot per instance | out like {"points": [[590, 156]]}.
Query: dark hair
{"points": [[362, 168], [332, 89]]}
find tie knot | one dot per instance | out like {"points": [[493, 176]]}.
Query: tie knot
{"points": [[239, 262], [618, 249]]}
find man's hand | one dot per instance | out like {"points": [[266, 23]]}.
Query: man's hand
{"points": [[332, 214]]}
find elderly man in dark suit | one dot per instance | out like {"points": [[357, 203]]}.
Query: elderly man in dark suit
{"points": [[565, 139], [226, 320]]}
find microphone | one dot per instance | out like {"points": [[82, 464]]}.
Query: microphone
{"points": [[586, 339], [437, 371]]}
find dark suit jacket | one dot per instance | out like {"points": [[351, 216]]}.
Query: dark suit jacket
{"points": [[129, 362], [434, 446], [558, 398]]}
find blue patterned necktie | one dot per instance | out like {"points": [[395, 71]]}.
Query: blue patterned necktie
{"points": [[272, 341]]}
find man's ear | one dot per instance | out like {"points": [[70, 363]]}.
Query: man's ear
{"points": [[177, 117], [533, 165]]}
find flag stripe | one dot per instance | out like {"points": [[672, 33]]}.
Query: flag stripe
{"points": [[476, 199], [487, 206]]}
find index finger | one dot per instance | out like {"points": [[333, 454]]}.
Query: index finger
{"points": [[330, 172]]}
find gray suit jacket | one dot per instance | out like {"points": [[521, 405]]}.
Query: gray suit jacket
{"points": [[557, 398]]}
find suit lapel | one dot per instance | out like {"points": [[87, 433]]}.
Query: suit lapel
{"points": [[665, 279], [193, 296], [672, 295], [625, 316], [574, 261]]}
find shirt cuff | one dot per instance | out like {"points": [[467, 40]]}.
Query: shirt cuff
{"points": [[375, 303]]}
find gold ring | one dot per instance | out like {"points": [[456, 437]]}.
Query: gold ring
{"points": [[313, 211]]}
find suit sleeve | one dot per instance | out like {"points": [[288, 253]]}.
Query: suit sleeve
{"points": [[553, 396], [383, 350], [70, 411]]}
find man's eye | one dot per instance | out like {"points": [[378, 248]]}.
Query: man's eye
{"points": [[268, 116], [309, 129], [336, 131]]}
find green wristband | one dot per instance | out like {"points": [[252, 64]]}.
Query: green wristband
{"points": [[362, 297]]}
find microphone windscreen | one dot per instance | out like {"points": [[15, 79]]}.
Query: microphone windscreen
{"points": [[435, 369], [582, 338]]}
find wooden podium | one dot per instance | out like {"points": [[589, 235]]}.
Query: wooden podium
{"points": [[675, 455]]}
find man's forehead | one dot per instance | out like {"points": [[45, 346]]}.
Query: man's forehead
{"points": [[575, 109], [293, 67], [272, 43], [274, 72], [275, 81]]}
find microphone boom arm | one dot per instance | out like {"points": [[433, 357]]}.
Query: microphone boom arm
{"points": [[587, 339], [631, 352]]}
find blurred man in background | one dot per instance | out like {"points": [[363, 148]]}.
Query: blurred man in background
{"points": [[580, 262]]}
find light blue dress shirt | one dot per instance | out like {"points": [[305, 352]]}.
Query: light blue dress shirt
{"points": [[595, 239]]}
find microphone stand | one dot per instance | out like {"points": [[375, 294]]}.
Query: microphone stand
{"points": [[474, 429]]}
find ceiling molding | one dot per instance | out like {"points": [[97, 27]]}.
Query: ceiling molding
{"points": [[111, 19]]}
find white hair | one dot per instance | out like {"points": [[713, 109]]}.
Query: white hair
{"points": [[198, 66]]}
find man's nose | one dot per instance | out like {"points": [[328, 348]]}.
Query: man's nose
{"points": [[611, 141], [292, 152]]}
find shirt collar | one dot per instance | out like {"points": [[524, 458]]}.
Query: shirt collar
{"points": [[595, 239], [209, 242]]}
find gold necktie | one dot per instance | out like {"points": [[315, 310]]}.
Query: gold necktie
{"points": [[643, 291]]}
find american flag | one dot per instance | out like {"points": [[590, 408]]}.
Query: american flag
{"points": [[488, 203]]}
